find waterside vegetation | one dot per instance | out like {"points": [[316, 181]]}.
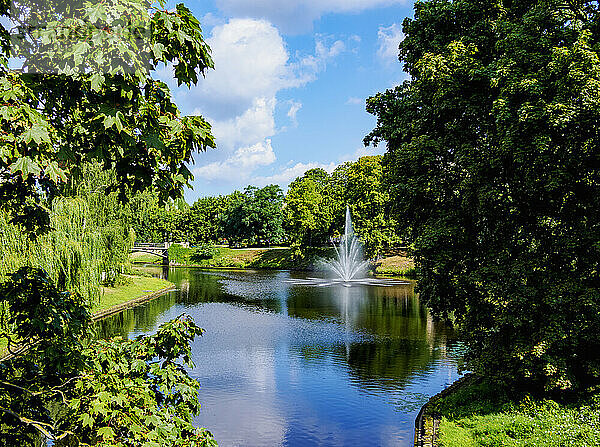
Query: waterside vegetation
{"points": [[484, 414]]}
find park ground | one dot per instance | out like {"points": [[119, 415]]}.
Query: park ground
{"points": [[131, 287], [391, 264], [481, 414]]}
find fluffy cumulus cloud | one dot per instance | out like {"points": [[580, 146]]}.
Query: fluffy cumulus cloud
{"points": [[239, 97], [240, 164], [389, 37], [295, 16]]}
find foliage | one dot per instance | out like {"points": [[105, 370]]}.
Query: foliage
{"points": [[135, 392], [72, 253], [316, 205], [255, 216], [119, 392], [76, 102], [308, 216], [50, 325], [179, 254], [205, 219], [84, 118], [205, 251], [155, 222], [493, 165], [368, 199]]}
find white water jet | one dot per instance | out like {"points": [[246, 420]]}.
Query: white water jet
{"points": [[350, 263], [350, 267]]}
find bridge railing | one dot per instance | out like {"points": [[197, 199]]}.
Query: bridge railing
{"points": [[158, 245]]}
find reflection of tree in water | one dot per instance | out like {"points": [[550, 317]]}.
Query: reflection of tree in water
{"points": [[406, 340], [199, 286], [142, 318], [193, 287]]}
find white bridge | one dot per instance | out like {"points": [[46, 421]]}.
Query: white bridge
{"points": [[159, 249]]}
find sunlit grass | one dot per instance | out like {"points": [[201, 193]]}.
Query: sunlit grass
{"points": [[138, 287], [483, 415]]}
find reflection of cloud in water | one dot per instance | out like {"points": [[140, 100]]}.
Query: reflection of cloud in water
{"points": [[289, 364], [246, 406]]}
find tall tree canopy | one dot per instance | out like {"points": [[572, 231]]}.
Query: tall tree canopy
{"points": [[308, 215], [494, 165], [86, 92], [254, 216]]}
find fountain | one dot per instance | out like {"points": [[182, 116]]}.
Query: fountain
{"points": [[350, 267], [350, 262]]}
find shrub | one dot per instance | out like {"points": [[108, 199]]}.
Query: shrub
{"points": [[203, 252]]}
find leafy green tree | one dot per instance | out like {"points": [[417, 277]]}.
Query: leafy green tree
{"points": [[368, 199], [85, 93], [255, 216], [493, 164], [308, 211], [119, 392], [205, 219], [74, 102]]}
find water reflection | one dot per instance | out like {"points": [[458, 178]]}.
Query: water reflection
{"points": [[285, 364]]}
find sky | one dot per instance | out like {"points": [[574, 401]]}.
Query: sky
{"points": [[289, 86]]}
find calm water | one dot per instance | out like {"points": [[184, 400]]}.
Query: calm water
{"points": [[288, 365]]}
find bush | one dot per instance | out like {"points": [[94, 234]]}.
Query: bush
{"points": [[179, 254], [203, 252]]}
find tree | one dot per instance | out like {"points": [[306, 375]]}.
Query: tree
{"points": [[74, 102], [368, 199], [308, 216], [493, 161], [205, 220], [85, 93], [255, 216], [119, 392]]}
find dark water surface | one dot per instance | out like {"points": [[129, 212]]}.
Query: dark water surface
{"points": [[289, 365]]}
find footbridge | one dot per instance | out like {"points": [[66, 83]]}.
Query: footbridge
{"points": [[159, 249]]}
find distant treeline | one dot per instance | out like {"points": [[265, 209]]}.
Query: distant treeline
{"points": [[310, 214]]}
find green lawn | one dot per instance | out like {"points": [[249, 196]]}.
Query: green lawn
{"points": [[276, 258], [395, 266], [484, 415], [139, 286]]}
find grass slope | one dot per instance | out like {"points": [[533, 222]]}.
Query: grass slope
{"points": [[276, 258], [485, 415], [136, 287]]}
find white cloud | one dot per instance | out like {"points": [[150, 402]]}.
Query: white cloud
{"points": [[294, 16], [286, 175], [352, 101], [389, 38], [240, 165], [255, 124], [239, 97], [312, 64], [295, 106]]}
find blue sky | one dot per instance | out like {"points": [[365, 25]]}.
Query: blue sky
{"points": [[289, 86]]}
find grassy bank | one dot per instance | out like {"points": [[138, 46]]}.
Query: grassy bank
{"points": [[485, 415], [395, 266], [134, 287], [273, 258]]}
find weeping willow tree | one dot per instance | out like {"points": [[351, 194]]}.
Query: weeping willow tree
{"points": [[89, 240]]}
